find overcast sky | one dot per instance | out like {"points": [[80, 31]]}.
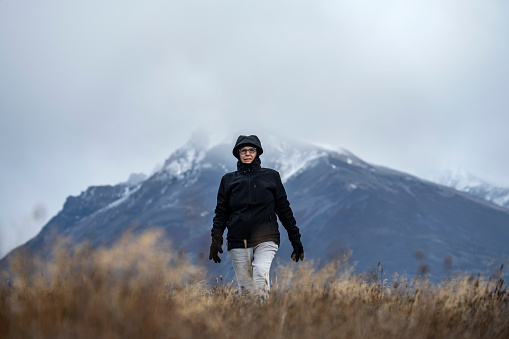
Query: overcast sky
{"points": [[91, 91]]}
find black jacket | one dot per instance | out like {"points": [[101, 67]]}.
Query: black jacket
{"points": [[248, 201]]}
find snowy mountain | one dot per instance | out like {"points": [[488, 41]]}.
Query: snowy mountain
{"points": [[343, 205], [462, 181]]}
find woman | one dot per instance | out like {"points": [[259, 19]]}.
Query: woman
{"points": [[248, 201]]}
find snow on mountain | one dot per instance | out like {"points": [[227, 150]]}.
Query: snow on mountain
{"points": [[292, 162], [127, 192], [291, 157], [459, 179], [135, 179], [182, 161]]}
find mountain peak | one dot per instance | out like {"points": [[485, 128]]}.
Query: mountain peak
{"points": [[135, 179], [461, 180], [287, 155], [183, 160]]}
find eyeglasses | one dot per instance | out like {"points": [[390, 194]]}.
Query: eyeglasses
{"points": [[245, 150]]}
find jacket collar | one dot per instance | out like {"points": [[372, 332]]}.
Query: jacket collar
{"points": [[246, 168]]}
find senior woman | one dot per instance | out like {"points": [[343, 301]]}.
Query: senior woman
{"points": [[248, 201]]}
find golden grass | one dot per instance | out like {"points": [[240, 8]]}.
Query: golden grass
{"points": [[140, 289]]}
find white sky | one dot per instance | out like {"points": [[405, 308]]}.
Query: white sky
{"points": [[91, 91]]}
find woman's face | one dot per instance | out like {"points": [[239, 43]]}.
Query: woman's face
{"points": [[247, 154]]}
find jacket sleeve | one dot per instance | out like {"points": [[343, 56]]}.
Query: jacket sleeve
{"points": [[284, 212], [221, 217]]}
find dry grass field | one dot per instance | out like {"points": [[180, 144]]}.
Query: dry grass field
{"points": [[139, 289]]}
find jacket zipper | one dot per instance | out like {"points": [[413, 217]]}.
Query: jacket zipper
{"points": [[250, 197]]}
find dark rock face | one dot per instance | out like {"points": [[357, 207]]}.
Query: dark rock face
{"points": [[344, 207]]}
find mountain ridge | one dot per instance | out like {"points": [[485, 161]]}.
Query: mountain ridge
{"points": [[344, 206], [463, 181]]}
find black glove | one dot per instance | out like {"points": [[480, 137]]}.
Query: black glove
{"points": [[298, 251], [214, 249]]}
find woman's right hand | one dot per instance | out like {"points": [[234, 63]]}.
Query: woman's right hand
{"points": [[214, 250]]}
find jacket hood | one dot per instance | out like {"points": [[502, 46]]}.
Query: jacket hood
{"points": [[247, 140]]}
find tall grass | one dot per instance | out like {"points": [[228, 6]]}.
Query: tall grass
{"points": [[139, 288]]}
